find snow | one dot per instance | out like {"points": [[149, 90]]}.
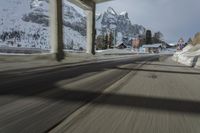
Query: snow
{"points": [[98, 14], [119, 38], [187, 55], [111, 10], [11, 20], [113, 26], [72, 13], [78, 9], [110, 21], [98, 23], [123, 13], [11, 15], [115, 51], [168, 51], [152, 46], [71, 36], [172, 44]]}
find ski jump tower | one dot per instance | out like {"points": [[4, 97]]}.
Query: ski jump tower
{"points": [[56, 25]]}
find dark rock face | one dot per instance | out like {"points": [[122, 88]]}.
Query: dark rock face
{"points": [[38, 18], [120, 23], [72, 18]]}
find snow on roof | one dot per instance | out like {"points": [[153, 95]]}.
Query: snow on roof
{"points": [[120, 43], [152, 45], [172, 44]]}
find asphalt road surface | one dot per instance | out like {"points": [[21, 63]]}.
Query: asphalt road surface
{"points": [[146, 94]]}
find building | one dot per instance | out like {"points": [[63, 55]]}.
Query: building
{"points": [[121, 46], [152, 48], [135, 43]]}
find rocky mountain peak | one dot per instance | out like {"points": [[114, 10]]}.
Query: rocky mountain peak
{"points": [[124, 14], [111, 21], [110, 10]]}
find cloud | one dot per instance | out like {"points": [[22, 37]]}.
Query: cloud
{"points": [[175, 18]]}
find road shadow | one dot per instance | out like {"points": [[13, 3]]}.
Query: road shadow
{"points": [[159, 71], [45, 86], [37, 82], [132, 101], [71, 71], [61, 65], [80, 69], [61, 101], [83, 96], [35, 86], [164, 65], [32, 89], [77, 64]]}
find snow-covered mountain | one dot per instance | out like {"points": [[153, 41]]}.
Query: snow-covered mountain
{"points": [[110, 21], [25, 23]]}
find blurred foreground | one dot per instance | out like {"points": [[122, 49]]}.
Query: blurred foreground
{"points": [[143, 93]]}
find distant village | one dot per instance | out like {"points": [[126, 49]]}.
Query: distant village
{"points": [[147, 43]]}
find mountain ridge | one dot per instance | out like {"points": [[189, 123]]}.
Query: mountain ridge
{"points": [[110, 21], [25, 23]]}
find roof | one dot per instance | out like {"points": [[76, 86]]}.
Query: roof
{"points": [[152, 45], [121, 43], [100, 1]]}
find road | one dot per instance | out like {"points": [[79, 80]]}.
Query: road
{"points": [[36, 100], [137, 94]]}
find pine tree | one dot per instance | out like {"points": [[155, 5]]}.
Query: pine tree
{"points": [[106, 41], [189, 41], [111, 38], [157, 37], [148, 37]]}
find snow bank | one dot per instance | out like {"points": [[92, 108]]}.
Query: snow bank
{"points": [[188, 56], [115, 51], [198, 63]]}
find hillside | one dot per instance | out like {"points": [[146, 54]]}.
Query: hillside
{"points": [[25, 24]]}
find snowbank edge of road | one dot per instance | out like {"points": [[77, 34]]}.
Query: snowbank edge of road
{"points": [[189, 56]]}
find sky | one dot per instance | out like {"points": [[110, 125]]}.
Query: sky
{"points": [[174, 18]]}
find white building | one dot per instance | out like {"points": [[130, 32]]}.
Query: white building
{"points": [[152, 48]]}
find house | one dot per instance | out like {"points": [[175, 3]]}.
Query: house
{"points": [[152, 48], [121, 46], [135, 42]]}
